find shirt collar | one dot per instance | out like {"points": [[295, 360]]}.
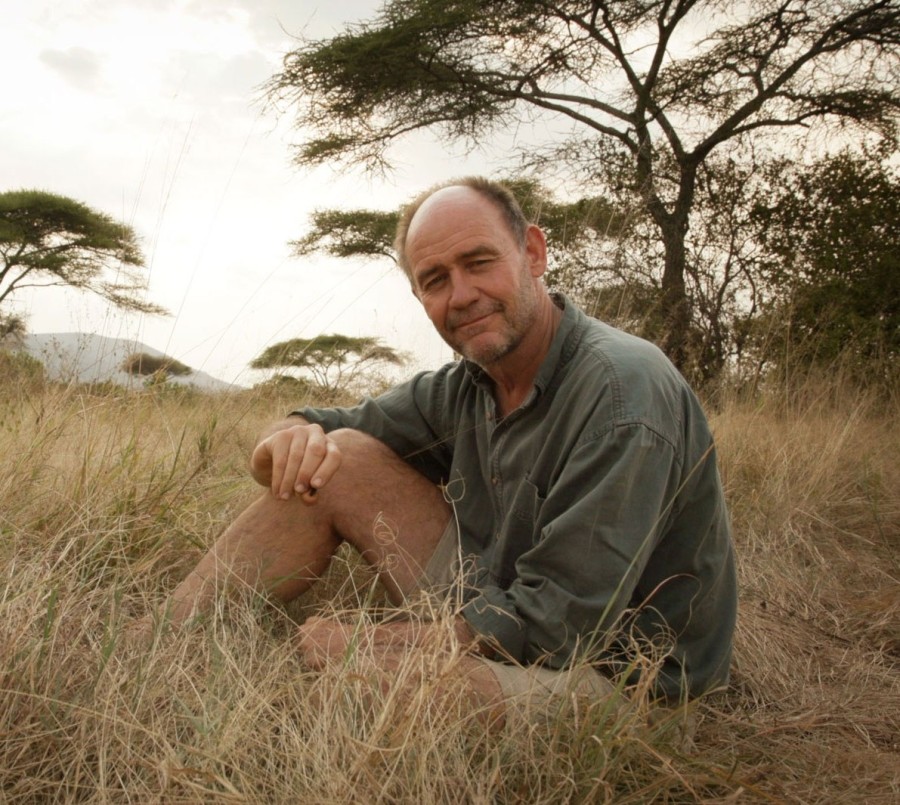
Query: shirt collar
{"points": [[560, 351]]}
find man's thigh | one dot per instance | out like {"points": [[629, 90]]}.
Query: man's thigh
{"points": [[392, 514]]}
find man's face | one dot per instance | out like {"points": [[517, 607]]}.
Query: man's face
{"points": [[478, 286]]}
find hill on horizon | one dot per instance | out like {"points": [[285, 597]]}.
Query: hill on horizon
{"points": [[90, 358]]}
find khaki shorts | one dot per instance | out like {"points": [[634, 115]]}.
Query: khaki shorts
{"points": [[535, 689]]}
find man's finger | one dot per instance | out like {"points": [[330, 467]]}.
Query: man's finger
{"points": [[297, 440], [279, 447], [328, 466], [316, 449]]}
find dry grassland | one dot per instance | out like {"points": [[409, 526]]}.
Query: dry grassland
{"points": [[107, 499]]}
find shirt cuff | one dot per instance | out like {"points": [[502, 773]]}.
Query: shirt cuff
{"points": [[493, 619]]}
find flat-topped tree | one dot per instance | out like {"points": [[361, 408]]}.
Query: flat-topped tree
{"points": [[334, 362], [145, 365], [571, 227], [51, 240], [647, 90]]}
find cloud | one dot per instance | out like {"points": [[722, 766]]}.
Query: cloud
{"points": [[277, 23], [78, 66], [209, 79]]}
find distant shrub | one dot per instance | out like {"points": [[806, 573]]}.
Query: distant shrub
{"points": [[295, 392], [19, 369], [11, 326], [105, 388], [290, 385], [141, 363]]}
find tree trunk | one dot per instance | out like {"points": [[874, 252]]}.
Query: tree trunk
{"points": [[674, 337], [676, 308], [673, 226]]}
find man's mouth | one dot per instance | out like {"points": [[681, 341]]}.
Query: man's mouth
{"points": [[470, 320]]}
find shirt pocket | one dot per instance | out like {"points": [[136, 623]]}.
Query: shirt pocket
{"points": [[526, 504]]}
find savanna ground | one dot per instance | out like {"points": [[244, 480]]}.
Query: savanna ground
{"points": [[107, 499]]}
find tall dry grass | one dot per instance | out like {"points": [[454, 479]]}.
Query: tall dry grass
{"points": [[107, 499]]}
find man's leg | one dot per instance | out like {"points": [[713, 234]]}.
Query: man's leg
{"points": [[389, 512]]}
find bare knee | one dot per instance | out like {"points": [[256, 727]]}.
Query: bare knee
{"points": [[392, 514], [369, 469], [357, 446]]}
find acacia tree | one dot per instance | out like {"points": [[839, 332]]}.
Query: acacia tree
{"points": [[602, 254], [641, 116], [147, 365], [47, 240], [333, 361], [573, 228]]}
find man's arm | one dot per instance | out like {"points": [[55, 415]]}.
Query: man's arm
{"points": [[413, 419], [595, 530], [324, 639]]}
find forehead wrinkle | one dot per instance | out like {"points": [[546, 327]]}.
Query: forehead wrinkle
{"points": [[451, 226]]}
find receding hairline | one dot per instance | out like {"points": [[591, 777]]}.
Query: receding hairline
{"points": [[496, 193]]}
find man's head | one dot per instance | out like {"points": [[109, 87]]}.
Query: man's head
{"points": [[475, 264], [498, 194]]}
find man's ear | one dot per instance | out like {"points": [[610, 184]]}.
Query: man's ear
{"points": [[536, 250]]}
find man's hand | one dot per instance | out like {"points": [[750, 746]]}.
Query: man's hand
{"points": [[321, 640], [324, 639], [295, 459]]}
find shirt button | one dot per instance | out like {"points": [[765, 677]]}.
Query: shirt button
{"points": [[495, 480]]}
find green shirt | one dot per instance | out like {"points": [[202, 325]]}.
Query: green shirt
{"points": [[593, 513]]}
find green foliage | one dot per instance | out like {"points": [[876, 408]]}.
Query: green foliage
{"points": [[833, 242], [334, 361], [11, 325], [19, 371], [47, 239], [642, 120], [288, 385], [349, 233], [142, 363]]}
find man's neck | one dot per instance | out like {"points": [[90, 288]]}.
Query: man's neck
{"points": [[514, 375]]}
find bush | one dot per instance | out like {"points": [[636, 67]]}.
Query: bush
{"points": [[19, 371], [142, 363]]}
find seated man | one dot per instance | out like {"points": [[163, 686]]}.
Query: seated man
{"points": [[562, 476]]}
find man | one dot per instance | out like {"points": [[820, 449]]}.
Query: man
{"points": [[560, 481]]}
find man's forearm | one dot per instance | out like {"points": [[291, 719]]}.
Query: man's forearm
{"points": [[323, 638], [406, 633]]}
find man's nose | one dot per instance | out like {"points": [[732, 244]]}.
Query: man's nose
{"points": [[462, 293]]}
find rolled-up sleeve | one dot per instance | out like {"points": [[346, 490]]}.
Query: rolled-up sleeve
{"points": [[409, 419]]}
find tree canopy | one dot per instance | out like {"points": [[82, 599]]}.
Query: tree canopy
{"points": [[569, 226], [145, 365], [646, 90], [47, 239], [832, 241], [334, 362]]}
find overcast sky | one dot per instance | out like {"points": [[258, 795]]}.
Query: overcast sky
{"points": [[149, 110]]}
